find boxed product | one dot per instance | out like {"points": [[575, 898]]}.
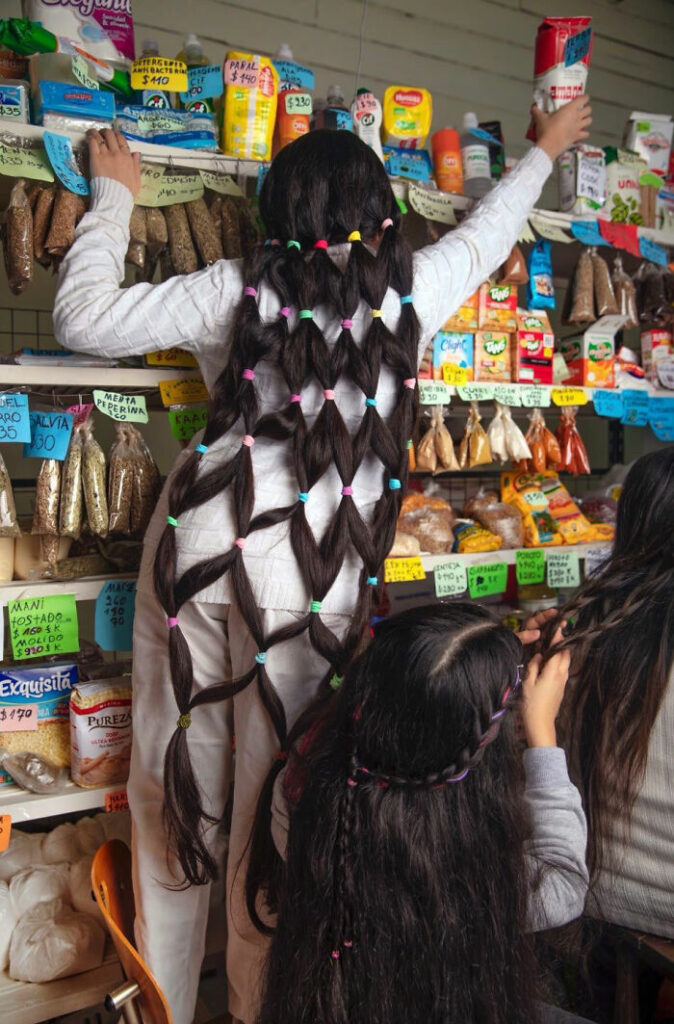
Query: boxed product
{"points": [[561, 63], [582, 180], [498, 307], [656, 344], [650, 136], [102, 27], [100, 732], [46, 687], [14, 101], [455, 349], [466, 316], [493, 358], [535, 348], [623, 188], [73, 101], [590, 358], [406, 117]]}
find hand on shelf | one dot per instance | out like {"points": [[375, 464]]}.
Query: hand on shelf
{"points": [[110, 157], [567, 126]]}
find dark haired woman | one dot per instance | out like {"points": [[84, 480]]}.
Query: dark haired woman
{"points": [[419, 855], [269, 540]]}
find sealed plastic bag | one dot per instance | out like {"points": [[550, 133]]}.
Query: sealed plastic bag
{"points": [[24, 851], [81, 895], [70, 513], [120, 482], [404, 546], [502, 520], [524, 491], [7, 921], [506, 440], [444, 446], [18, 239], [33, 772], [9, 526], [429, 520], [47, 498], [183, 253], [474, 449], [514, 270], [206, 239], [67, 211], [470, 538], [38, 885], [146, 483], [53, 941], [625, 293], [231, 235], [62, 844], [41, 221], [427, 456], [541, 288], [651, 295], [582, 309], [156, 231], [604, 296], [544, 446], [574, 454], [94, 482], [136, 251]]}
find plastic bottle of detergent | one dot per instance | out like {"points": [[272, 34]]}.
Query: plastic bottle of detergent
{"points": [[193, 55], [336, 114], [291, 75], [447, 160], [249, 108], [293, 116], [475, 159], [155, 98], [367, 118]]}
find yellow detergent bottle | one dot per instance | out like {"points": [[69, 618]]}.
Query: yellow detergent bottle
{"points": [[249, 110], [408, 113]]}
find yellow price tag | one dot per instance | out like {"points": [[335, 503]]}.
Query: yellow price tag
{"points": [[454, 375], [16, 162], [569, 396], [221, 183], [159, 73], [402, 570], [183, 392], [171, 357], [159, 189]]}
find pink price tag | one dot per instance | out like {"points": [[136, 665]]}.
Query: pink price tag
{"points": [[15, 719], [80, 412], [366, 102], [242, 72]]}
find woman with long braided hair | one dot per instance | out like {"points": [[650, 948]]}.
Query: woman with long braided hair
{"points": [[418, 857], [265, 555]]}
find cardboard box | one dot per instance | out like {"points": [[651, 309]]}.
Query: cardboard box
{"points": [[650, 135], [590, 358], [454, 348], [498, 307], [656, 344], [494, 358], [466, 316], [535, 348]]}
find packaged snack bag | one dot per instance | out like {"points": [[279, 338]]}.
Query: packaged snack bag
{"points": [[535, 348], [493, 355], [574, 454], [407, 115], [470, 537], [562, 61], [249, 110], [466, 316], [524, 491], [541, 288], [455, 349], [572, 524], [498, 307]]}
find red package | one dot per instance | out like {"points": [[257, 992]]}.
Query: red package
{"points": [[574, 454], [561, 63]]}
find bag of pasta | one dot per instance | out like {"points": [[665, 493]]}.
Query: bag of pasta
{"points": [[524, 491], [573, 451], [120, 482], [474, 449], [94, 482]]}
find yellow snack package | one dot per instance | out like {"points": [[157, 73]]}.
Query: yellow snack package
{"points": [[407, 117], [470, 537], [249, 110], [574, 527], [525, 492]]}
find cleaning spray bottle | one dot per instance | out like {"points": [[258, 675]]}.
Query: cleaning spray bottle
{"points": [[367, 118], [193, 55], [157, 99]]}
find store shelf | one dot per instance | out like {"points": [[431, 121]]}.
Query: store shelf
{"points": [[86, 589], [508, 556], [89, 376], [564, 220], [24, 806]]}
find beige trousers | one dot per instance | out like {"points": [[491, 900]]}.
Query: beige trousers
{"points": [[170, 924]]}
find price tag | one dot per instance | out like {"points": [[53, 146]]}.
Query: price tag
{"points": [[569, 396], [433, 392], [124, 408], [15, 719], [14, 419], [450, 579], [635, 408], [116, 801], [402, 570], [587, 232], [203, 83], [476, 392], [113, 620], [431, 205], [186, 422], [17, 162], [60, 152], [42, 626], [183, 392], [563, 569], [535, 396], [665, 371], [242, 73], [661, 417], [49, 435], [454, 375], [530, 566], [298, 103], [577, 47], [549, 231], [171, 357], [158, 73], [650, 250], [595, 559], [81, 72], [608, 403], [5, 831], [484, 580], [293, 76], [526, 234], [159, 189], [592, 181], [221, 183], [508, 394], [623, 236]]}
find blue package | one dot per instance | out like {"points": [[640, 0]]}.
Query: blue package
{"points": [[48, 688], [183, 128], [541, 289], [408, 163], [67, 98]]}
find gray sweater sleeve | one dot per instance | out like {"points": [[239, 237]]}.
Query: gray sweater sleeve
{"points": [[555, 852]]}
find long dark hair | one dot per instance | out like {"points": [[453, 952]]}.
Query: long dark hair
{"points": [[405, 894], [322, 188], [622, 641]]}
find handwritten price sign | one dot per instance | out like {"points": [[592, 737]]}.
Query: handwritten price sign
{"points": [[403, 570], [484, 580], [159, 73], [42, 626], [113, 623], [15, 719]]}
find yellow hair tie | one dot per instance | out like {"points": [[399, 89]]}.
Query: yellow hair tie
{"points": [[354, 237], [376, 312]]}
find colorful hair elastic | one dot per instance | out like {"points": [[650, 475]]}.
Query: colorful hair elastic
{"points": [[329, 395], [394, 485], [410, 382], [354, 237], [372, 402], [336, 681], [261, 657], [386, 223], [376, 313], [303, 496], [408, 445], [240, 542], [250, 291], [406, 300], [347, 324], [315, 607], [171, 521], [347, 492], [185, 721], [322, 243], [284, 311], [248, 440], [295, 398], [201, 448], [372, 581], [248, 375], [292, 244], [172, 622], [306, 314]]}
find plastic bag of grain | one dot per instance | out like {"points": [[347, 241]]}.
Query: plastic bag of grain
{"points": [[54, 941]]}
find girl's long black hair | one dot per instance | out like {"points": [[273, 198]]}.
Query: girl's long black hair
{"points": [[404, 896], [622, 643], [321, 189]]}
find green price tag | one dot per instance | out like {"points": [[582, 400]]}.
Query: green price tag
{"points": [[484, 580], [530, 566], [42, 626], [450, 579], [186, 422], [25, 163], [563, 569], [434, 392]]}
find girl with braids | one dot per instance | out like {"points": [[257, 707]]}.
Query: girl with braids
{"points": [[265, 554], [419, 854]]}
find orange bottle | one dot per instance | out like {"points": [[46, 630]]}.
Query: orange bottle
{"points": [[293, 116], [447, 160]]}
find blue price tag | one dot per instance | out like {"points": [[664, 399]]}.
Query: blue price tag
{"points": [[293, 76], [343, 120], [261, 175], [49, 435], [608, 403], [480, 133], [113, 621], [60, 152], [577, 47], [587, 232], [650, 250], [635, 408], [14, 420], [661, 417], [408, 163], [203, 83]]}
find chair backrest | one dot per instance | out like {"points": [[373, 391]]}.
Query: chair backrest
{"points": [[112, 885]]}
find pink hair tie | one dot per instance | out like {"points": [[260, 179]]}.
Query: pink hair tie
{"points": [[387, 223], [329, 395], [347, 324], [295, 398], [248, 375], [248, 440], [347, 492], [240, 542], [171, 622], [322, 243], [410, 383], [250, 291], [275, 241], [285, 311]]}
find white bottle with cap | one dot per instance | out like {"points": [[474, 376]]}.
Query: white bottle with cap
{"points": [[367, 118], [475, 159]]}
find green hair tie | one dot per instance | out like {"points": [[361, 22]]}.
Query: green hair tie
{"points": [[171, 521], [336, 682], [185, 721], [292, 244], [315, 606], [305, 314]]}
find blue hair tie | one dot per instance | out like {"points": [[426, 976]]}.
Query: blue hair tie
{"points": [[201, 448], [405, 300], [372, 402], [372, 581], [303, 496], [394, 485], [261, 657]]}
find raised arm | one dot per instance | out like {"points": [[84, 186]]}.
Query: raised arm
{"points": [[94, 314]]}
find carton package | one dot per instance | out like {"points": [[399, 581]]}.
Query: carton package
{"points": [[650, 136], [535, 348], [48, 687], [656, 345], [466, 316], [493, 359], [582, 180], [453, 348], [590, 358], [498, 307], [623, 186]]}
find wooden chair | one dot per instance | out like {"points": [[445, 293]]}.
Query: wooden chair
{"points": [[634, 948], [140, 999]]}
